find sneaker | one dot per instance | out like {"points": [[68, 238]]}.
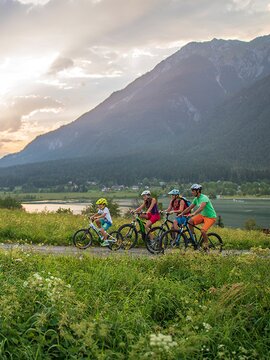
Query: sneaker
{"points": [[105, 243]]}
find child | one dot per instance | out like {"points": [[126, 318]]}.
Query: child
{"points": [[150, 204], [103, 219]]}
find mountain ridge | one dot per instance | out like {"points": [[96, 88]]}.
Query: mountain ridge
{"points": [[164, 109]]}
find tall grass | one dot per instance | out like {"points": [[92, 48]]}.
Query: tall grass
{"points": [[171, 307], [58, 229]]}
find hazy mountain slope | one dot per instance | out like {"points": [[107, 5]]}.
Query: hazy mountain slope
{"points": [[238, 131]]}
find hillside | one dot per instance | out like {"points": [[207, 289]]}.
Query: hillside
{"points": [[201, 113]]}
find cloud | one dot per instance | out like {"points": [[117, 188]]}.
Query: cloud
{"points": [[21, 108], [59, 64], [79, 51]]}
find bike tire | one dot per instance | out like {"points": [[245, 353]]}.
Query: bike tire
{"points": [[82, 239], [215, 242], [129, 236], [119, 240], [153, 240], [173, 239]]}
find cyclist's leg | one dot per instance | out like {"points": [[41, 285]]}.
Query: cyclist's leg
{"points": [[175, 224], [207, 223], [105, 226], [195, 220], [152, 218]]}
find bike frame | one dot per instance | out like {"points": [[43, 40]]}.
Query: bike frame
{"points": [[96, 230], [141, 223], [167, 221]]}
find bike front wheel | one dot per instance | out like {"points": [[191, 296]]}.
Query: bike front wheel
{"points": [[153, 240], [173, 239], [82, 239], [129, 236], [116, 240]]}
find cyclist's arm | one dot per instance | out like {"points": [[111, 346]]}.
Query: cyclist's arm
{"points": [[187, 210], [100, 216], [200, 208], [182, 205], [153, 202], [94, 216], [139, 208]]}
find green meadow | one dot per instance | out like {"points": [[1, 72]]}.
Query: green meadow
{"points": [[190, 306], [169, 307]]}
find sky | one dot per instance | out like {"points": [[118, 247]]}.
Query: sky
{"points": [[61, 58]]}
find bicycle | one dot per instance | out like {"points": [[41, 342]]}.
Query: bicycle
{"points": [[183, 238], [84, 238], [130, 234]]}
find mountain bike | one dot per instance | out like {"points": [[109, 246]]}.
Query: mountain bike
{"points": [[130, 234], [184, 238], [154, 241], [84, 238]]}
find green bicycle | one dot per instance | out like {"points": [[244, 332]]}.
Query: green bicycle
{"points": [[130, 233]]}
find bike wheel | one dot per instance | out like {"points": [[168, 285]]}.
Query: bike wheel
{"points": [[82, 238], [153, 240], [115, 239], [173, 239], [215, 242], [129, 236]]}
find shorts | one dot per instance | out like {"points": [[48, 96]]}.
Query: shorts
{"points": [[207, 222], [181, 220], [105, 224], [153, 217]]}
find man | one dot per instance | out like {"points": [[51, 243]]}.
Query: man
{"points": [[204, 214]]}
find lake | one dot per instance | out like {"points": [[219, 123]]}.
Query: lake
{"points": [[234, 212]]}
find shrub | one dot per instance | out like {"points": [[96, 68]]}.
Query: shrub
{"points": [[10, 203]]}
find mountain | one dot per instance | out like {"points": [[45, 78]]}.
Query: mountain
{"points": [[241, 133], [204, 100]]}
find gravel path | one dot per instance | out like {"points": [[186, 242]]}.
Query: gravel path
{"points": [[95, 251]]}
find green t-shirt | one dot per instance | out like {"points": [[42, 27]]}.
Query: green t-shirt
{"points": [[208, 211]]}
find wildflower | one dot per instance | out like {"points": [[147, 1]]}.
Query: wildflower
{"points": [[207, 326], [163, 342]]}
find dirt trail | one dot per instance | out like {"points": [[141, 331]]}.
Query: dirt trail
{"points": [[95, 251]]}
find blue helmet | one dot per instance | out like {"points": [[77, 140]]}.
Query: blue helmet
{"points": [[174, 192]]}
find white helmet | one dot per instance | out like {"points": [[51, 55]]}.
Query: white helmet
{"points": [[196, 187], [146, 192], [174, 192]]}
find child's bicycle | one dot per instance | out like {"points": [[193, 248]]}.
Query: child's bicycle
{"points": [[184, 238], [84, 238], [130, 234]]}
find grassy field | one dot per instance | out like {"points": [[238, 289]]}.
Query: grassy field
{"points": [[193, 306], [57, 229], [170, 307]]}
